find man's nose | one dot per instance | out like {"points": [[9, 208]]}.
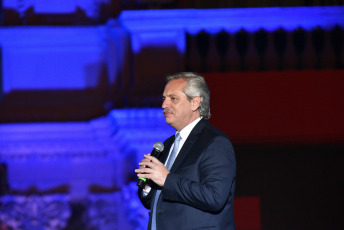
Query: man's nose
{"points": [[164, 104]]}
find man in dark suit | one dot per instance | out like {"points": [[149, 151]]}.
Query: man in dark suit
{"points": [[192, 185]]}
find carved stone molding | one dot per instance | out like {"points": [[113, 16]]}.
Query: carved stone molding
{"points": [[49, 212]]}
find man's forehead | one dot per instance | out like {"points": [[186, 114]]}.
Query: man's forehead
{"points": [[177, 93]]}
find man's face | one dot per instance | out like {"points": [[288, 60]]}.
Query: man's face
{"points": [[178, 110]]}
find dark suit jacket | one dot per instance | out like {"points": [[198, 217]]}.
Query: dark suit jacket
{"points": [[198, 193]]}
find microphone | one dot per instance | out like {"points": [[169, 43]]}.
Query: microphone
{"points": [[158, 147]]}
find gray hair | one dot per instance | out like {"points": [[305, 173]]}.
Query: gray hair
{"points": [[195, 86]]}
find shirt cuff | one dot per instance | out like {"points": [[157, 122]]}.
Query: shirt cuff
{"points": [[146, 191]]}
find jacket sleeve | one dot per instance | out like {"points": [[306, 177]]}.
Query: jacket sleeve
{"points": [[216, 175], [145, 200]]}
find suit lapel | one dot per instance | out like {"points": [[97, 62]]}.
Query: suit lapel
{"points": [[189, 142]]}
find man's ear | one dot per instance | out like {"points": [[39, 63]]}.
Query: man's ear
{"points": [[196, 101]]}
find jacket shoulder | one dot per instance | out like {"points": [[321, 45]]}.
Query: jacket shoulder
{"points": [[210, 130]]}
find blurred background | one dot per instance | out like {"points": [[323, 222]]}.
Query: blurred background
{"points": [[80, 96]]}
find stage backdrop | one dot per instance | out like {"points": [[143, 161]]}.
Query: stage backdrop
{"points": [[270, 107], [288, 134]]}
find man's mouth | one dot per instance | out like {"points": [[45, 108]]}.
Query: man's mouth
{"points": [[167, 112]]}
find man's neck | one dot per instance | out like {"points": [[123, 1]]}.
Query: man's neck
{"points": [[190, 126]]}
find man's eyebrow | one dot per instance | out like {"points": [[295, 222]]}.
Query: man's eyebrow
{"points": [[170, 95]]}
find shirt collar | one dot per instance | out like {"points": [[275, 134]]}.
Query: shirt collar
{"points": [[184, 133]]}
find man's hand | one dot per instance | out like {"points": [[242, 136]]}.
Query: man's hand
{"points": [[151, 168]]}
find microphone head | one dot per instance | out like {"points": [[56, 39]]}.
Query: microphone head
{"points": [[158, 146]]}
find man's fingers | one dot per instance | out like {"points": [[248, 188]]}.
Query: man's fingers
{"points": [[152, 159], [146, 164], [143, 170]]}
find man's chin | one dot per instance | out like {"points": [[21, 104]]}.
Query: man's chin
{"points": [[168, 120]]}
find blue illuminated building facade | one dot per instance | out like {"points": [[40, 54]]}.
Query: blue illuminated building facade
{"points": [[80, 104]]}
